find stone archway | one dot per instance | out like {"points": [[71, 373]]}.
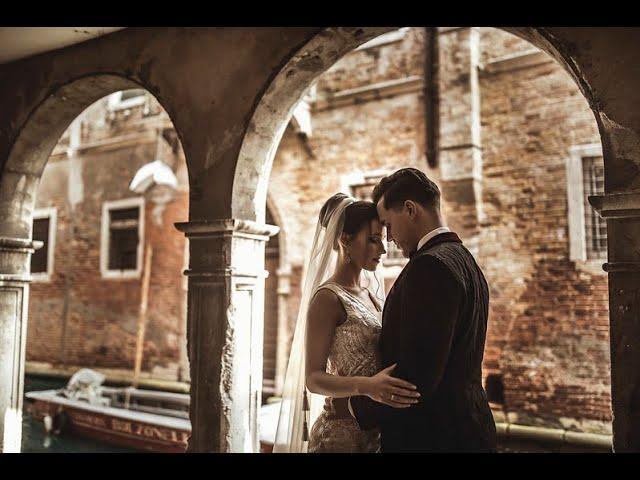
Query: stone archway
{"points": [[21, 174], [289, 85], [226, 70], [275, 107], [35, 141], [234, 125]]}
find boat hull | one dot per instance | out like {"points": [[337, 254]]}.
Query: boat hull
{"points": [[138, 435], [108, 419]]}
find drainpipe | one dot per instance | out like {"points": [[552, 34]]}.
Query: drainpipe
{"points": [[431, 95], [554, 436]]}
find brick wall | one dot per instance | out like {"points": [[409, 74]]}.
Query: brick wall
{"points": [[79, 318], [548, 332]]}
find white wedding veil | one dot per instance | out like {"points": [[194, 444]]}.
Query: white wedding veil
{"points": [[299, 407]]}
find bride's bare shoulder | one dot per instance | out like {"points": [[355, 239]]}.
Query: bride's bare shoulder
{"points": [[324, 297], [326, 304]]}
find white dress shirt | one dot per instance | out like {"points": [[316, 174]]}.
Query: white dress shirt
{"points": [[421, 243], [430, 235]]}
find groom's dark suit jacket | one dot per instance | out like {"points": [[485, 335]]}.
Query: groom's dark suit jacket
{"points": [[434, 326]]}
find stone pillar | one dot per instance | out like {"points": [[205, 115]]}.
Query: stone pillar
{"points": [[622, 212], [460, 150], [224, 332], [15, 267], [284, 335]]}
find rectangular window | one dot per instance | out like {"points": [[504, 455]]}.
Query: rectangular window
{"points": [[133, 93], [585, 177], [127, 99], [43, 230], [40, 233], [123, 238], [386, 38], [122, 229], [595, 226]]}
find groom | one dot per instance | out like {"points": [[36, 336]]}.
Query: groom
{"points": [[434, 326]]}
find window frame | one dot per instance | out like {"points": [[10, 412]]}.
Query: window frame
{"points": [[116, 103], [386, 38], [575, 201], [107, 206], [52, 214]]}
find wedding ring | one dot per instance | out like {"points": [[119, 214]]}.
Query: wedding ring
{"points": [[392, 395]]}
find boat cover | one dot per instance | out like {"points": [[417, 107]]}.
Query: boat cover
{"points": [[85, 384]]}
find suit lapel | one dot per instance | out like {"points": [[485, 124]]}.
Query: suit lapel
{"points": [[389, 300]]}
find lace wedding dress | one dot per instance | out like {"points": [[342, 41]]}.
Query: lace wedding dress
{"points": [[354, 351]]}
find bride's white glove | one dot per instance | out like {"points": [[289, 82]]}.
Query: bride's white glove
{"points": [[391, 391]]}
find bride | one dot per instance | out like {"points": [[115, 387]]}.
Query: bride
{"points": [[334, 353]]}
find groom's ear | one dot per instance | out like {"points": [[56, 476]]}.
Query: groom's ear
{"points": [[411, 207]]}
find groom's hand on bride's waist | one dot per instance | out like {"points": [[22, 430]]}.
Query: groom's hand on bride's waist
{"points": [[392, 391], [381, 395]]}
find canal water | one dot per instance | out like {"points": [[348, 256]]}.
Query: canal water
{"points": [[35, 440]]}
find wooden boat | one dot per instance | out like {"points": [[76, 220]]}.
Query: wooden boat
{"points": [[145, 420]]}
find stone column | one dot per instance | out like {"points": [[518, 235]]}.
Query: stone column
{"points": [[460, 150], [224, 332], [15, 267], [284, 335], [622, 212]]}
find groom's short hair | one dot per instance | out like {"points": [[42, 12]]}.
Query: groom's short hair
{"points": [[407, 184]]}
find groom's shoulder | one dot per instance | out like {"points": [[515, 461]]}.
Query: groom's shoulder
{"points": [[429, 260], [442, 252], [443, 258], [428, 268]]}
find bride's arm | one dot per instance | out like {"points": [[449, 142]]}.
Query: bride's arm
{"points": [[324, 315]]}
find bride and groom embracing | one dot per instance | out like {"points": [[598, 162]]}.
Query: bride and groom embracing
{"points": [[402, 374]]}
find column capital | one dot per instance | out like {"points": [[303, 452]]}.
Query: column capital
{"points": [[226, 248], [15, 259], [621, 267], [616, 205], [623, 255], [227, 226], [22, 245]]}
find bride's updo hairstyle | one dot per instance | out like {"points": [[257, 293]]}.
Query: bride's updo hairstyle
{"points": [[356, 215]]}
